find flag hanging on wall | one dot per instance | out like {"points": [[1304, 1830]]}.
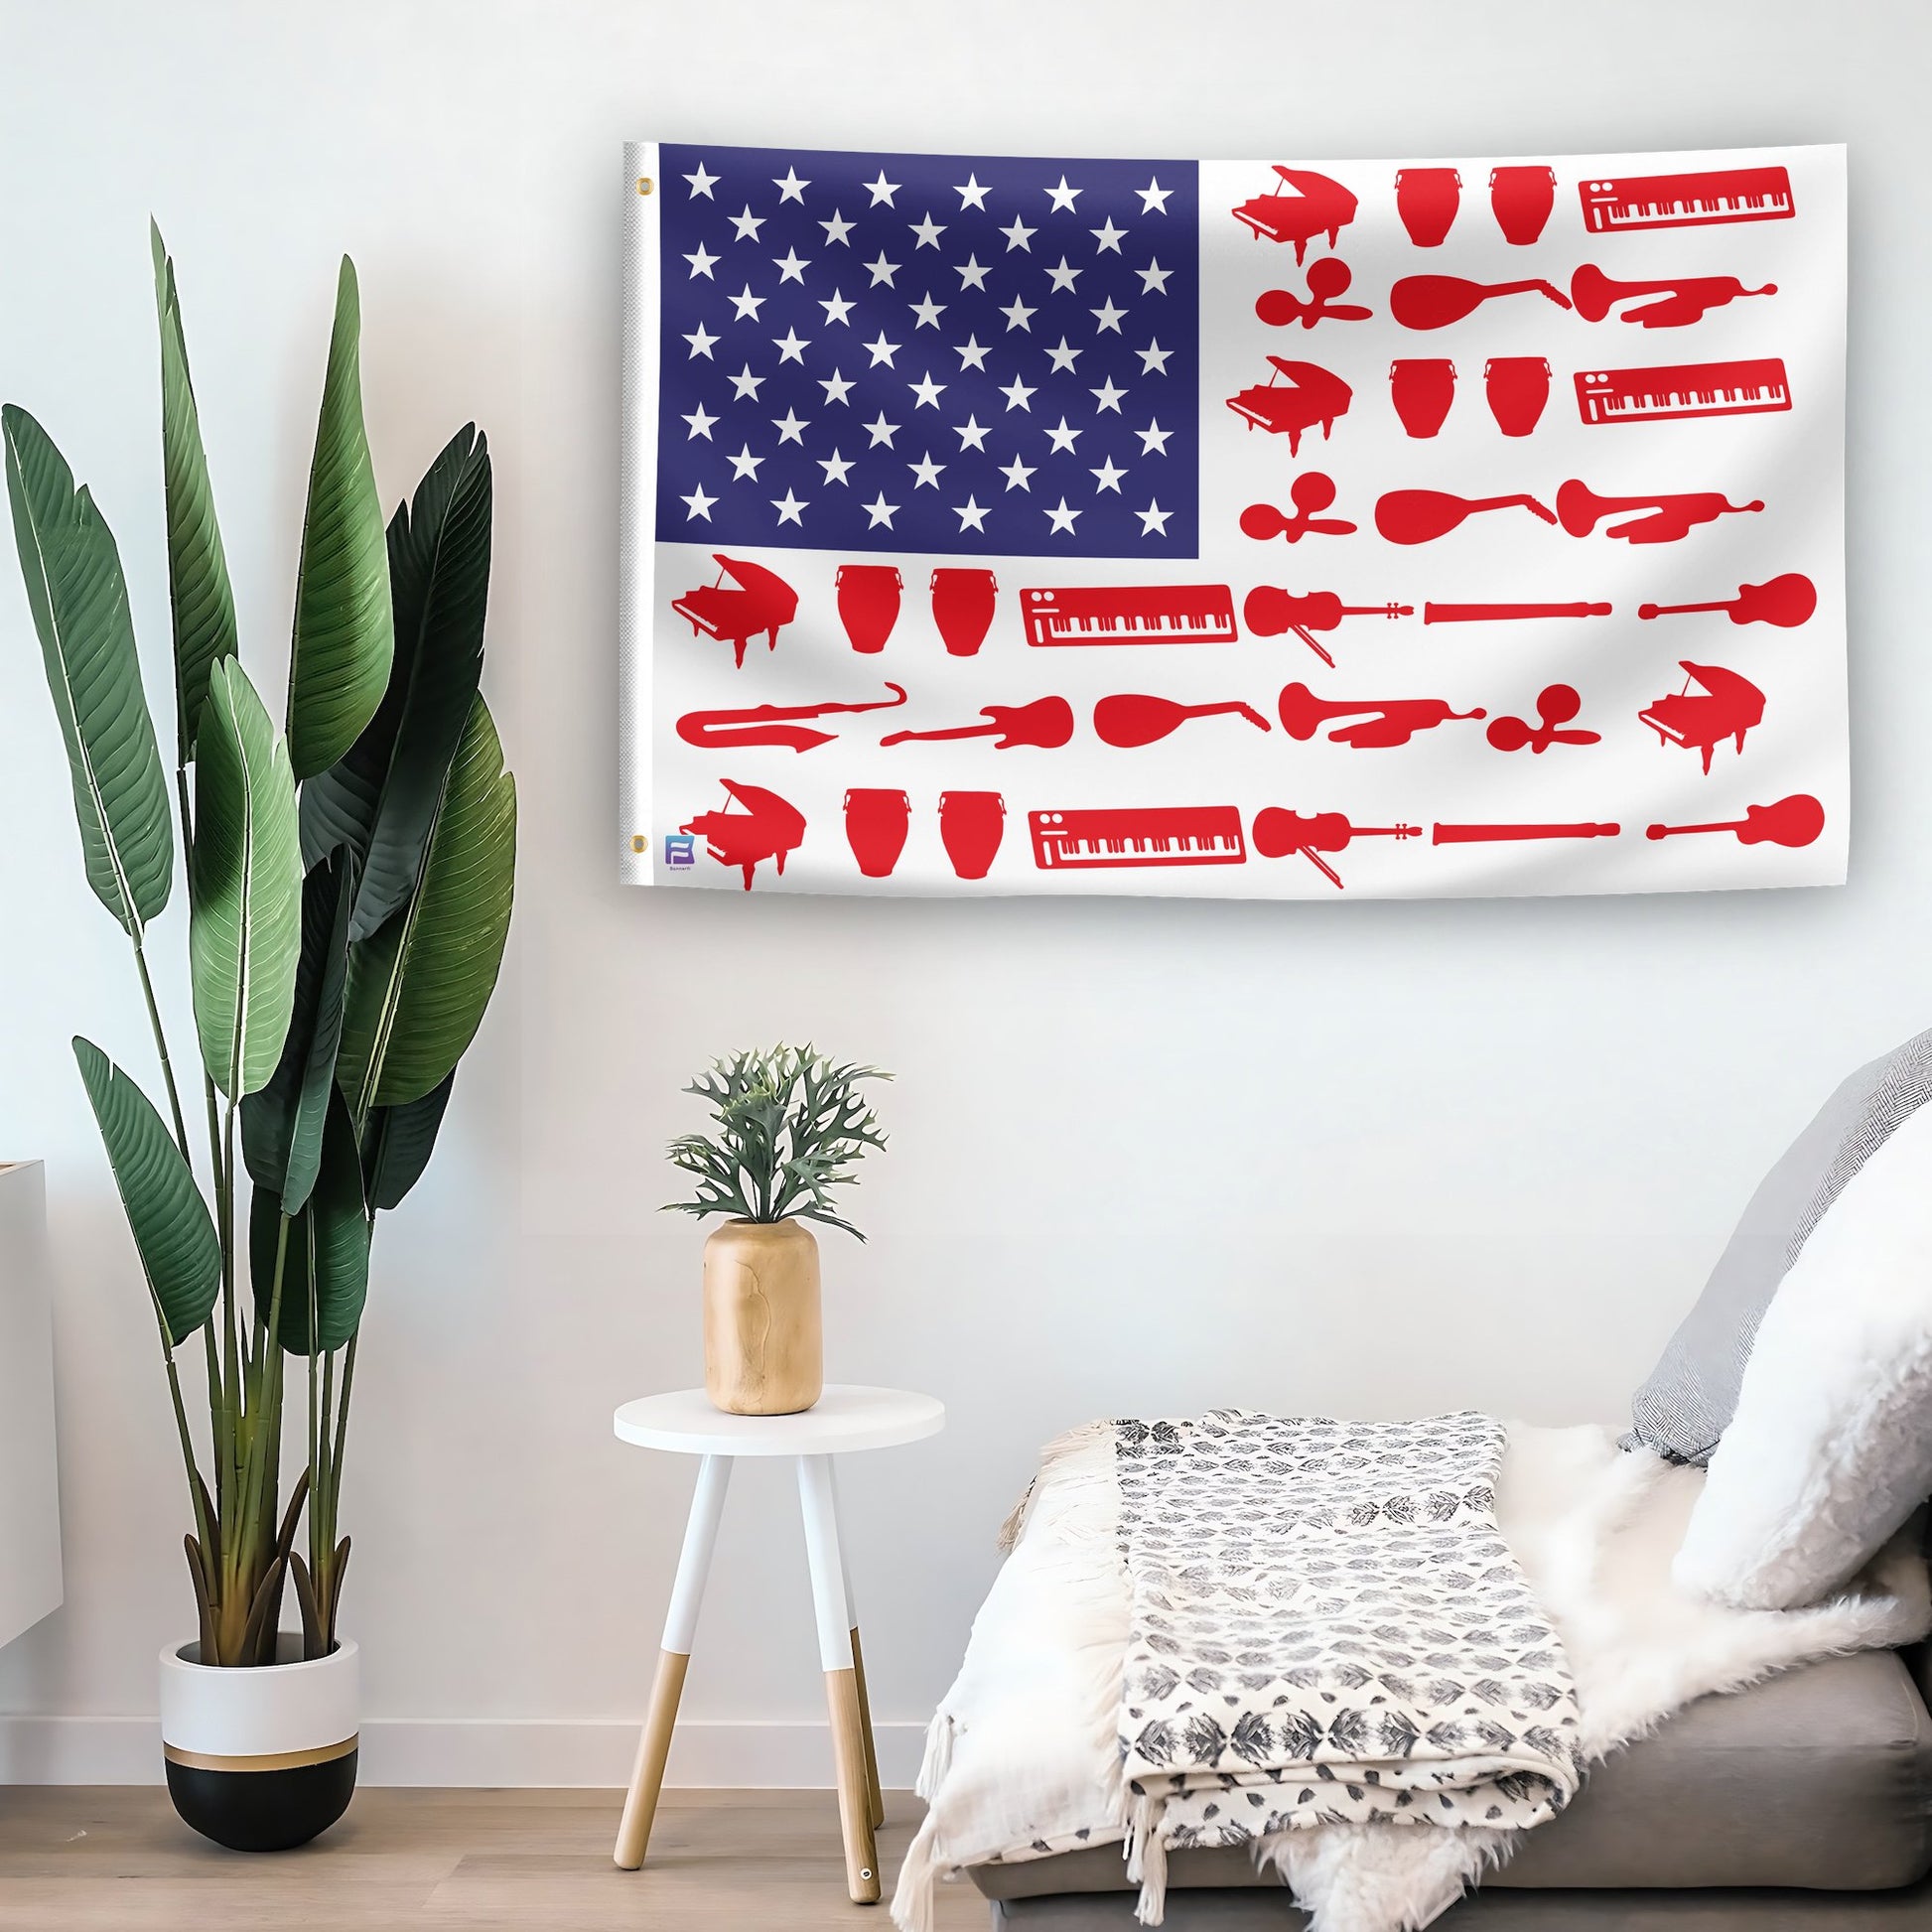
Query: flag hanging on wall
{"points": [[1245, 529]]}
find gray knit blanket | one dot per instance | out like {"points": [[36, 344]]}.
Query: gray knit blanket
{"points": [[1327, 1626]]}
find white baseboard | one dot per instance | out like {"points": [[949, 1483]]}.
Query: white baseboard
{"points": [[480, 1752]]}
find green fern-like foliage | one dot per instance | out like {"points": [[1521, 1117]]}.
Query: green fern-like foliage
{"points": [[790, 1125]]}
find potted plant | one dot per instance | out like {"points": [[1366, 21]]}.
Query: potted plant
{"points": [[790, 1126], [348, 895]]}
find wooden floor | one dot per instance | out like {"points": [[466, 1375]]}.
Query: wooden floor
{"points": [[116, 1860]]}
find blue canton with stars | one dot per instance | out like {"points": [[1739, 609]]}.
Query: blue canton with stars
{"points": [[928, 352]]}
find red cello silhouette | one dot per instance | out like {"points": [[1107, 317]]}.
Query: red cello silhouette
{"points": [[1047, 722], [1792, 821], [1278, 834], [1310, 492], [1317, 206], [1382, 721], [1666, 520], [770, 827], [1269, 611], [1786, 601], [1679, 302], [764, 724], [1314, 396], [1556, 706], [1130, 719], [1328, 279], [1436, 301], [1423, 516]]}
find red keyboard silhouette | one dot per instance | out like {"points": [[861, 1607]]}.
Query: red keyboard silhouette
{"points": [[1697, 201], [1131, 614], [1743, 388], [1137, 835]]}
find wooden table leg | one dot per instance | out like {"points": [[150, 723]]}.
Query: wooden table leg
{"points": [[877, 1796], [820, 1511], [680, 1626]]}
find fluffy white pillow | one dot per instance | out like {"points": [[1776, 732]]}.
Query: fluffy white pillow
{"points": [[1829, 1450]]}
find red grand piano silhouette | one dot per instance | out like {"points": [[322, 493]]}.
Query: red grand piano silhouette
{"points": [[757, 600], [768, 828], [1728, 706], [1314, 396], [1317, 206]]}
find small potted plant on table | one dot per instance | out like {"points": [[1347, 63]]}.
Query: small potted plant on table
{"points": [[789, 1127]]}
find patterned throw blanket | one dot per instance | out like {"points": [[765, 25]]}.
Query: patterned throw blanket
{"points": [[1327, 1626]]}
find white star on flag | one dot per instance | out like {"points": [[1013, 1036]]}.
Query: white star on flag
{"points": [[925, 472], [788, 507], [883, 270], [971, 354], [971, 274], [1017, 473], [698, 503], [1061, 518], [928, 231], [700, 423], [791, 346], [836, 387], [837, 308], [971, 194], [882, 190], [702, 183], [835, 467], [1153, 358], [701, 340], [790, 265], [701, 264], [1062, 355], [1108, 476], [791, 189], [1108, 237], [1154, 519], [790, 427], [928, 312], [747, 303], [971, 435], [971, 516], [1018, 235], [1016, 394], [1154, 278], [881, 351], [746, 224], [837, 229], [882, 431], [1153, 439], [1064, 197], [1065, 276], [1154, 200], [744, 385], [880, 510], [1108, 396], [926, 392], [744, 463]]}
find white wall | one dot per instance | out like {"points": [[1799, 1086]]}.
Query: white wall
{"points": [[1362, 1157]]}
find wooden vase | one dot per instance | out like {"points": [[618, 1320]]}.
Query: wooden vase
{"points": [[763, 1344]]}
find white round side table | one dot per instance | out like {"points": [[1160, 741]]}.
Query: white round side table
{"points": [[844, 1419]]}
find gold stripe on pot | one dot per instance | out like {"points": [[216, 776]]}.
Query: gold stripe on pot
{"points": [[266, 1761]]}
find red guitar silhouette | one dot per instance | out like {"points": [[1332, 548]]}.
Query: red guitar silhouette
{"points": [[768, 828], [1317, 206], [1130, 719], [1269, 611], [1792, 821], [1310, 492], [1327, 278], [1786, 601], [1047, 722], [1278, 834], [1382, 721]]}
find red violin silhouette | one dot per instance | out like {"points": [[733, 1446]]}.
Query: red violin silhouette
{"points": [[1556, 704], [1314, 396], [1679, 302], [1792, 821], [761, 600], [1130, 717], [770, 828], [1278, 834], [1317, 206], [1786, 601], [1047, 722], [1422, 515], [1383, 721], [721, 730], [1269, 611], [1728, 706], [1666, 520], [1327, 278], [1436, 301], [1310, 492]]}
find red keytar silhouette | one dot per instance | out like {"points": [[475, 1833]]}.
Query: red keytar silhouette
{"points": [[1556, 706], [1278, 834], [1382, 721], [1792, 821], [1310, 492], [1664, 519], [1317, 204], [1786, 601], [1495, 834], [1130, 719], [1270, 611], [1436, 301], [1728, 706], [757, 600], [1507, 612], [1328, 279], [1047, 722], [1679, 302], [770, 827], [765, 723], [1423, 516], [1314, 396]]}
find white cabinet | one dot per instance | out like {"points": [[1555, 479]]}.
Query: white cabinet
{"points": [[29, 1513]]}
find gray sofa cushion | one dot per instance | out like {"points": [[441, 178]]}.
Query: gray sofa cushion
{"points": [[1821, 1780], [1690, 1395]]}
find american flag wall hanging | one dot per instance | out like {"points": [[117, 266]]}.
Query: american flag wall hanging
{"points": [[1246, 529]]}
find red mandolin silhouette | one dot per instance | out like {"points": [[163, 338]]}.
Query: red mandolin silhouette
{"points": [[1786, 601], [1423, 516], [719, 731], [1130, 719], [1382, 721], [1317, 206], [1310, 492], [1436, 301], [1792, 821], [1278, 834], [1556, 706], [1270, 611], [1679, 302], [1327, 278], [1047, 722]]}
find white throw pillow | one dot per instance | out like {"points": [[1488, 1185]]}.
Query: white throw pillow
{"points": [[1829, 1450]]}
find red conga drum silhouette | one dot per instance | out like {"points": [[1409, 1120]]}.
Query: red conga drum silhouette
{"points": [[867, 603], [1517, 387], [1423, 388], [875, 828], [970, 827], [1522, 198], [962, 607], [1426, 198]]}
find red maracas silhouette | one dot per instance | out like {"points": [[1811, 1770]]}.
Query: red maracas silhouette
{"points": [[1130, 717], [1556, 704], [1422, 515], [1047, 722], [1327, 278], [1436, 301], [1792, 821], [1786, 601], [1310, 492]]}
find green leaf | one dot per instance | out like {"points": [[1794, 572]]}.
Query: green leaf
{"points": [[325, 1265], [343, 631], [381, 797], [398, 1143], [173, 1232], [244, 932], [418, 989], [281, 1126], [78, 598], [198, 570]]}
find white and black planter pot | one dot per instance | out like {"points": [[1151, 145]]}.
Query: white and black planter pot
{"points": [[260, 1759]]}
